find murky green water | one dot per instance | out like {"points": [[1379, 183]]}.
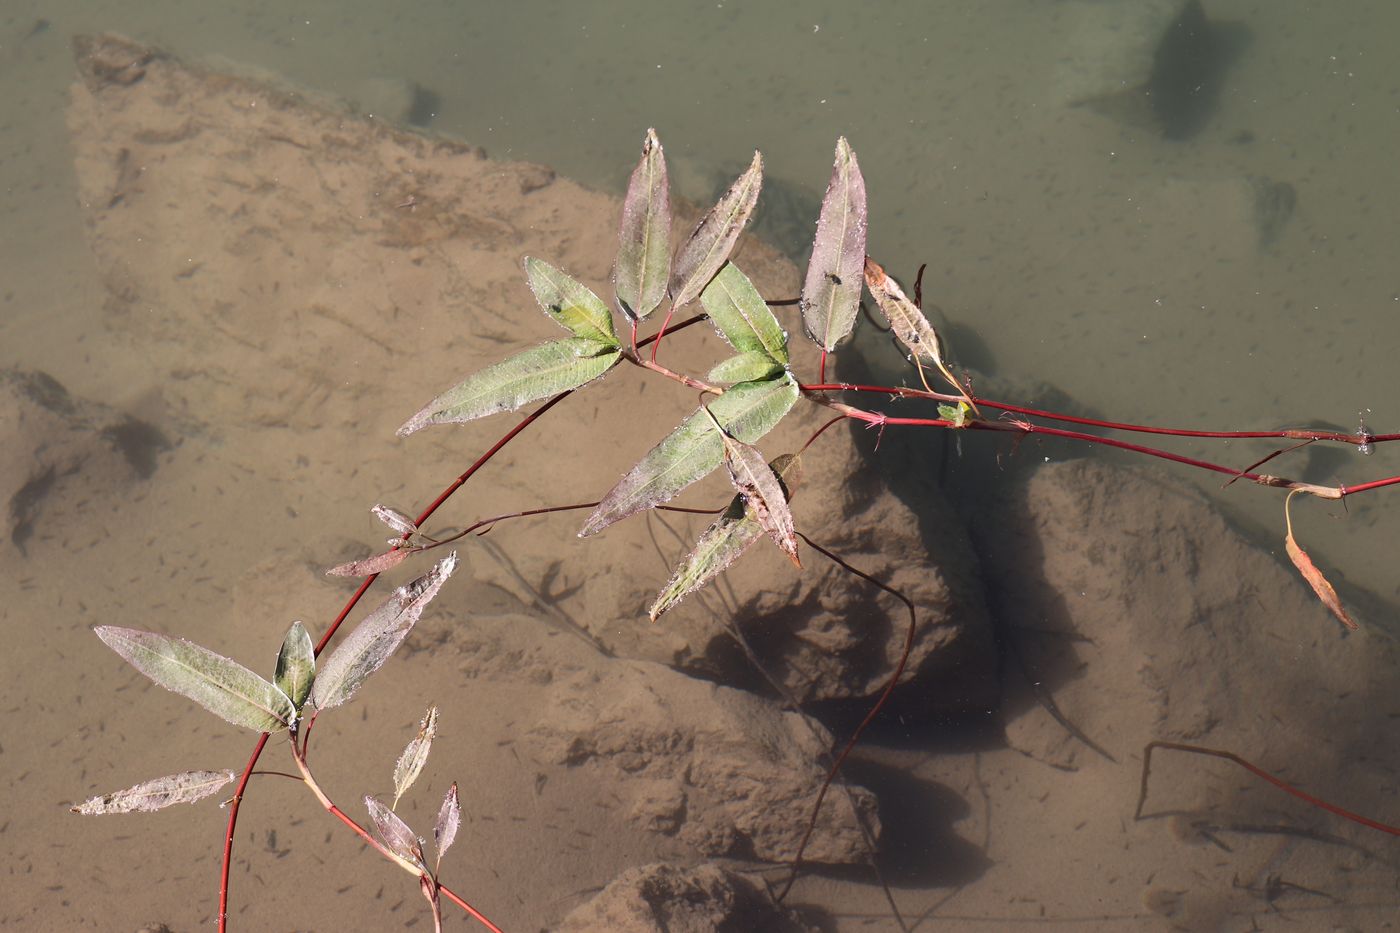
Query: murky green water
{"points": [[1242, 277]]}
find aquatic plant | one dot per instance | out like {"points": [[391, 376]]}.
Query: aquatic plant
{"points": [[743, 397]]}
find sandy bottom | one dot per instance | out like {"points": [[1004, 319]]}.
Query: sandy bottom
{"points": [[281, 284]]}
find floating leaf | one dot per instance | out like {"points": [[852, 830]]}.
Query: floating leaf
{"points": [[533, 374], [377, 637], [415, 755], [185, 787], [709, 245], [831, 291], [222, 686], [742, 316], [723, 542], [644, 238], [570, 302], [1308, 569], [449, 818], [746, 367], [747, 411], [371, 565], [395, 834], [296, 665], [394, 519]]}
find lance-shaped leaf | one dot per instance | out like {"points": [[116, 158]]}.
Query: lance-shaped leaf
{"points": [[723, 542], [394, 519], [745, 367], [449, 818], [377, 637], [220, 685], [747, 411], [831, 291], [906, 320], [296, 665], [742, 316], [709, 245], [533, 374], [371, 565], [185, 787], [644, 236], [415, 755], [395, 834], [763, 495], [570, 302]]}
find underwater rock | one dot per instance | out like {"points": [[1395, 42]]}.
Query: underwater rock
{"points": [[727, 773], [61, 456], [670, 899]]}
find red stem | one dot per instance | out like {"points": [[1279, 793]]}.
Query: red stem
{"points": [[1259, 773]]}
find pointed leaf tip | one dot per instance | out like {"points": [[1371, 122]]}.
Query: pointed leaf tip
{"points": [[377, 637], [220, 685], [643, 262], [710, 244], [831, 290]]}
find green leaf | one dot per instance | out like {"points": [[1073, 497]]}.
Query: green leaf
{"points": [[831, 291], [742, 316], [224, 687], [296, 665], [381, 632], [158, 793], [644, 238], [747, 411], [723, 542], [533, 374], [570, 302], [708, 247], [754, 366]]}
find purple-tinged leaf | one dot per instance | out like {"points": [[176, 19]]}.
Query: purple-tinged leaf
{"points": [[185, 787], [831, 291], [394, 519], [449, 818], [415, 755], [708, 247], [296, 665], [220, 685], [723, 542], [395, 834], [377, 637], [747, 410], [644, 236], [371, 565], [763, 495]]}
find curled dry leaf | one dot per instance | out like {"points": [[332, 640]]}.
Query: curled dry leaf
{"points": [[415, 755], [1317, 581], [185, 787]]}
